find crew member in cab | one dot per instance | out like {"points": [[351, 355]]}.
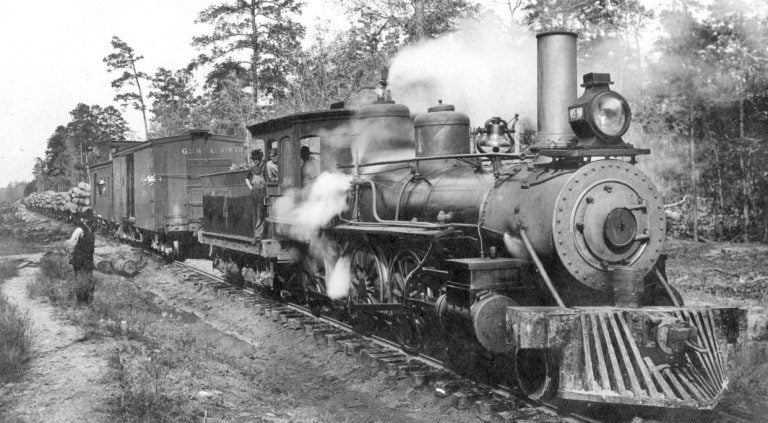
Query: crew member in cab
{"points": [[254, 179], [309, 167], [273, 170]]}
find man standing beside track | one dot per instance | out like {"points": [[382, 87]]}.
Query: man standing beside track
{"points": [[82, 245]]}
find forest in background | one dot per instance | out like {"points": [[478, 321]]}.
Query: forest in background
{"points": [[698, 91]]}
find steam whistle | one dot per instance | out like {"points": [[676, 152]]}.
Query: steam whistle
{"points": [[385, 96], [496, 137]]}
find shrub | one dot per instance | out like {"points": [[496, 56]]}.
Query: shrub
{"points": [[16, 341], [69, 290], [55, 265], [8, 269], [143, 378]]}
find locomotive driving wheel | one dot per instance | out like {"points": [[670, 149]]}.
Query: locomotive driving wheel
{"points": [[368, 276], [404, 263]]}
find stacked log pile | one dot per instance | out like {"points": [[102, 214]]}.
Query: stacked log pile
{"points": [[76, 200]]}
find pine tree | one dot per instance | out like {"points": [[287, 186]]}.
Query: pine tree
{"points": [[263, 30], [124, 59]]}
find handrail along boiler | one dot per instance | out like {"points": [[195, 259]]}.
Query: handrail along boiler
{"points": [[551, 259]]}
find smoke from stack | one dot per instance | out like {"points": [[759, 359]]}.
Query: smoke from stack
{"points": [[483, 70]]}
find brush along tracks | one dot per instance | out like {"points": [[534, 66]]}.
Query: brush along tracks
{"points": [[489, 402]]}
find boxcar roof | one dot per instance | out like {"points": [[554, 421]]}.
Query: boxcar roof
{"points": [[192, 134], [96, 166], [286, 122]]}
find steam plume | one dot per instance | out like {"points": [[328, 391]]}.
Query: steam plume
{"points": [[483, 70]]}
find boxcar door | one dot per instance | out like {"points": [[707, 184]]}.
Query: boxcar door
{"points": [[130, 209]]}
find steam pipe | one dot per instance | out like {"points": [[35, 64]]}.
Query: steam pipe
{"points": [[450, 156], [540, 267], [374, 211]]}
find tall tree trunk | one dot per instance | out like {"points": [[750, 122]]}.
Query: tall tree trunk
{"points": [[744, 172], [694, 188], [141, 98], [418, 15], [718, 166], [254, 59]]}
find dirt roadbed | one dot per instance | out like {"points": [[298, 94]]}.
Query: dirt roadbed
{"points": [[66, 379]]}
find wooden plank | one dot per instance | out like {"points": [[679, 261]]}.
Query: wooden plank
{"points": [[682, 392], [638, 359], [670, 394], [710, 327], [636, 388], [605, 381], [617, 377], [690, 384], [706, 359], [589, 376]]}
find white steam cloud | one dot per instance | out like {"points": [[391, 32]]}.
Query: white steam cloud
{"points": [[326, 199], [483, 70], [305, 213]]}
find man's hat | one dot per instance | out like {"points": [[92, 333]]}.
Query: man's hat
{"points": [[256, 153], [273, 152]]}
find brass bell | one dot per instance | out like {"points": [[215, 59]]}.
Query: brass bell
{"points": [[495, 137]]}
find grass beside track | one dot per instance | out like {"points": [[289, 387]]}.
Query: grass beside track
{"points": [[15, 335], [160, 362]]}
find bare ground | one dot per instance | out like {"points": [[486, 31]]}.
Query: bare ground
{"points": [[66, 380]]}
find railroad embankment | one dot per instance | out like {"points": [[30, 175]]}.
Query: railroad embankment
{"points": [[163, 347]]}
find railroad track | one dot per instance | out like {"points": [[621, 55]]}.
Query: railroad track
{"points": [[490, 402]]}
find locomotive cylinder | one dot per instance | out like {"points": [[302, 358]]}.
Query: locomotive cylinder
{"points": [[556, 80]]}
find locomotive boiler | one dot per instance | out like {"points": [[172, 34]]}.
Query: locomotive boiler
{"points": [[551, 257]]}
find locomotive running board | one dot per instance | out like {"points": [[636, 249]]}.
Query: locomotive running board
{"points": [[606, 354], [393, 230]]}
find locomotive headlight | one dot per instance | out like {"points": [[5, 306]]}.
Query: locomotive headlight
{"points": [[610, 114], [599, 114]]}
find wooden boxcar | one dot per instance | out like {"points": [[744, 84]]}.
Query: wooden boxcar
{"points": [[158, 190]]}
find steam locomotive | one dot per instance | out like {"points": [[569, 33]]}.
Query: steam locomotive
{"points": [[551, 257]]}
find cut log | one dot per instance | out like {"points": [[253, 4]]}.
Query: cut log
{"points": [[105, 266], [124, 267]]}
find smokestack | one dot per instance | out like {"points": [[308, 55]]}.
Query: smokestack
{"points": [[556, 79]]}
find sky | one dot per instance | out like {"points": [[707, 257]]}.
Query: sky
{"points": [[51, 60]]}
